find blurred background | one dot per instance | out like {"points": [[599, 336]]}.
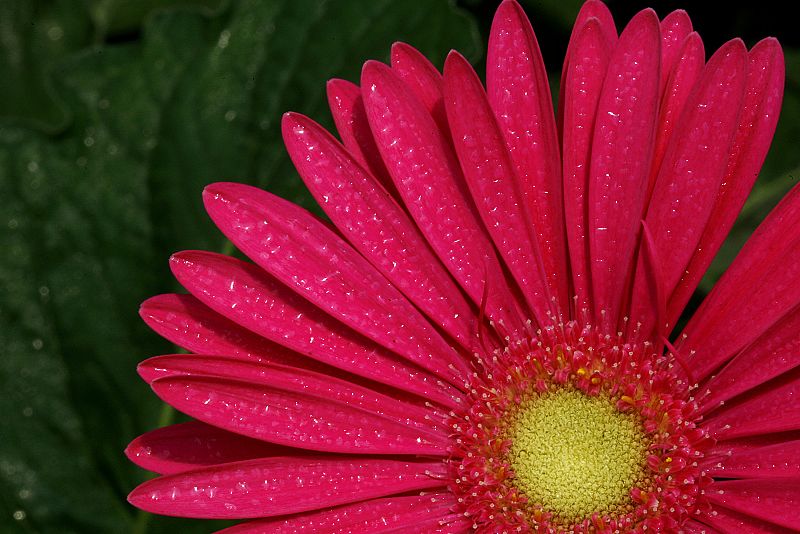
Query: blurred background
{"points": [[113, 116]]}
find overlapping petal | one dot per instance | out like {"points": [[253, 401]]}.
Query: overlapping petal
{"points": [[270, 487]]}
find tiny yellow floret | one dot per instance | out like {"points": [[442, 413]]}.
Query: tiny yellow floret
{"points": [[575, 454]]}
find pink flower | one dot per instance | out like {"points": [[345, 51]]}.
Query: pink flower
{"points": [[479, 340]]}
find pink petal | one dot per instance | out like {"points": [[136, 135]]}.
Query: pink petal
{"points": [[755, 292], [388, 514], [728, 521], [679, 86], [774, 353], [422, 78], [388, 403], [293, 418], [781, 460], [752, 442], [647, 314], [674, 29], [694, 527], [693, 168], [519, 93], [377, 226], [771, 408], [350, 118], [591, 9], [763, 96], [248, 296], [187, 322], [428, 177], [621, 151], [493, 183], [276, 486], [186, 446], [582, 83], [300, 251], [773, 500]]}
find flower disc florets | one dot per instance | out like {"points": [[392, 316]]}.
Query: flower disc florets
{"points": [[571, 430]]}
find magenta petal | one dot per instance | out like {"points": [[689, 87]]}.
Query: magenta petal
{"points": [[276, 486], [648, 305], [693, 527], [377, 226], [728, 521], [679, 86], [245, 294], [771, 408], [763, 96], [389, 404], [350, 118], [583, 81], [426, 172], [303, 253], [693, 167], [774, 353], [621, 151], [674, 29], [422, 78], [187, 322], [755, 292], [591, 9], [282, 415], [781, 460], [493, 183], [186, 446], [388, 514], [773, 500], [519, 93]]}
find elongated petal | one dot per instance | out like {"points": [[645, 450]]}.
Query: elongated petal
{"points": [[693, 527], [763, 96], [300, 251], [519, 93], [583, 81], [621, 151], [774, 353], [773, 500], [350, 118], [693, 168], [755, 292], [729, 521], [377, 226], [391, 404], [751, 442], [292, 418], [186, 446], [648, 313], [781, 460], [277, 486], [427, 174], [422, 78], [679, 86], [591, 9], [674, 29], [187, 322], [771, 408], [378, 515], [494, 184], [246, 295]]}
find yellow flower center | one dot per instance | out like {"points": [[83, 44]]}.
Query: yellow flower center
{"points": [[575, 454]]}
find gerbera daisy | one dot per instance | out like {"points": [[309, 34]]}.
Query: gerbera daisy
{"points": [[480, 336]]}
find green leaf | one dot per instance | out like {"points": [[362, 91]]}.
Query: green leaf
{"points": [[90, 216]]}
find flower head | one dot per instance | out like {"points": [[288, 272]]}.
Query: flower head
{"points": [[480, 337]]}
